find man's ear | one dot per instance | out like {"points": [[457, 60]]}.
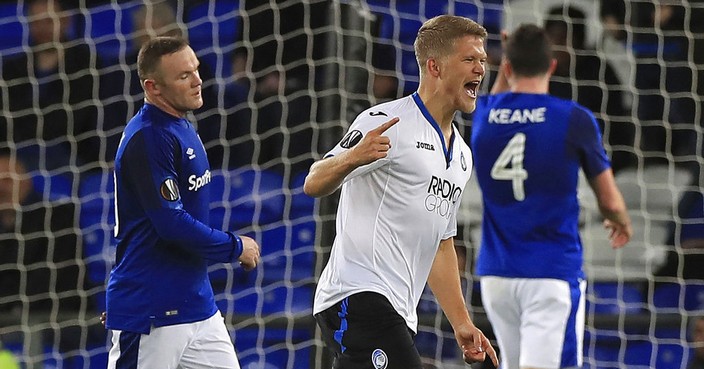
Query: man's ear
{"points": [[432, 67], [151, 87], [508, 68], [553, 66]]}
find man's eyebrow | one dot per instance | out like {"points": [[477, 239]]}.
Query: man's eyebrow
{"points": [[190, 70]]}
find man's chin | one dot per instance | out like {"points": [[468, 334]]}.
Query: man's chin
{"points": [[469, 108]]}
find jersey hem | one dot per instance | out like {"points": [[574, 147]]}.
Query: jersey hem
{"points": [[318, 308]]}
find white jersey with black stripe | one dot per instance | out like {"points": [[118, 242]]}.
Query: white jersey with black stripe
{"points": [[394, 212]]}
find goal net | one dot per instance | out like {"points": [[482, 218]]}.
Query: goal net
{"points": [[282, 80]]}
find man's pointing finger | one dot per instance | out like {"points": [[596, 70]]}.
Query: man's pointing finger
{"points": [[386, 125]]}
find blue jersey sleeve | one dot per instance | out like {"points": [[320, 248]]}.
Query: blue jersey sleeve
{"points": [[584, 135], [152, 163]]}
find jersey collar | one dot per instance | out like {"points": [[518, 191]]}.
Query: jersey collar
{"points": [[153, 109], [447, 152]]}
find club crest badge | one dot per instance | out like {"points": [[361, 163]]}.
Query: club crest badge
{"points": [[379, 359]]}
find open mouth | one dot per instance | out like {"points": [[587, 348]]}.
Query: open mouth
{"points": [[472, 88]]}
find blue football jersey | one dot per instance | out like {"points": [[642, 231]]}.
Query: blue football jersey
{"points": [[528, 150], [164, 244]]}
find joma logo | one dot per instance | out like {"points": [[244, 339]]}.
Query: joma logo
{"points": [[424, 145]]}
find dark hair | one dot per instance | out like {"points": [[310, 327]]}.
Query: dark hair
{"points": [[529, 51], [572, 21], [151, 52]]}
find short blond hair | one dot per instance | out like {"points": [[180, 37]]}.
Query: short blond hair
{"points": [[436, 37]]}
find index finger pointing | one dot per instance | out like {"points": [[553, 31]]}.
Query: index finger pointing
{"points": [[386, 125], [493, 357]]}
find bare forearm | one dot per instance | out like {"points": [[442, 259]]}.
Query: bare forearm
{"points": [[326, 175], [613, 208], [611, 203], [444, 281], [501, 82], [616, 213]]}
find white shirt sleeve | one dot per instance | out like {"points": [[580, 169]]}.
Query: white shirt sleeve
{"points": [[358, 129]]}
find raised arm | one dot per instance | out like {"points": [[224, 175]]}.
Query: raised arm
{"points": [[444, 281], [613, 208], [326, 175], [501, 82]]}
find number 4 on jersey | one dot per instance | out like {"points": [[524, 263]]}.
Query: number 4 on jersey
{"points": [[509, 165]]}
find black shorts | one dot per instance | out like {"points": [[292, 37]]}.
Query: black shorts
{"points": [[365, 332]]}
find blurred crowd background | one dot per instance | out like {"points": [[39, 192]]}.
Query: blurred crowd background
{"points": [[281, 81]]}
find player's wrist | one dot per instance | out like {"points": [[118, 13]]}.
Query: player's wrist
{"points": [[238, 246], [349, 161]]}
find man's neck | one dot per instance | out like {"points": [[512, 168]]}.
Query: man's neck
{"points": [[163, 106], [531, 85], [439, 109]]}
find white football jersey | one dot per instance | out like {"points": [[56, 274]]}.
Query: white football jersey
{"points": [[394, 212]]}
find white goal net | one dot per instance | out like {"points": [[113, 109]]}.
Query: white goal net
{"points": [[281, 82]]}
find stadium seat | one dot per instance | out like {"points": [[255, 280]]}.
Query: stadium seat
{"points": [[608, 350], [611, 352], [671, 356], [614, 298], [645, 251], [429, 343], [406, 27], [427, 303], [97, 220], [675, 296], [654, 189], [98, 358], [288, 252], [273, 348], [221, 276], [302, 205], [668, 296], [102, 23], [213, 40], [10, 28], [53, 186], [271, 299], [218, 200], [649, 194]]}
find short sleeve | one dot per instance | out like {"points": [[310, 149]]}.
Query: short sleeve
{"points": [[364, 123], [585, 136]]}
